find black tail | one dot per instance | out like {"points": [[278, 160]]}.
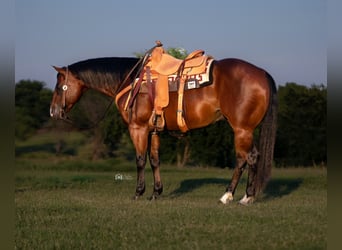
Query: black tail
{"points": [[267, 139]]}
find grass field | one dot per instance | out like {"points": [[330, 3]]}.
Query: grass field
{"points": [[69, 203], [58, 209]]}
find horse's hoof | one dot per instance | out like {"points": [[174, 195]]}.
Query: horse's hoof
{"points": [[135, 197], [153, 197], [226, 198], [247, 200]]}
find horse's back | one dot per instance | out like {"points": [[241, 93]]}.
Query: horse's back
{"points": [[243, 90], [236, 71]]}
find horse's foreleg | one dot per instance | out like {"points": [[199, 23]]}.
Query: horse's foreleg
{"points": [[243, 141], [155, 165], [140, 188], [139, 138]]}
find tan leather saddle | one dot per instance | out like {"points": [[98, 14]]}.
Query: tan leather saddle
{"points": [[157, 70], [194, 63]]}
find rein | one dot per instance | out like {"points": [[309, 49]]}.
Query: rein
{"points": [[142, 62], [134, 86], [66, 118]]}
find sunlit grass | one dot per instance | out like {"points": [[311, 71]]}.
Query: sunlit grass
{"points": [[66, 201], [87, 210]]}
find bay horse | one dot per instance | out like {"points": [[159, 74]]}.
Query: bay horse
{"points": [[241, 93]]}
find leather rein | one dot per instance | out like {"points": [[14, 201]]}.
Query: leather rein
{"points": [[142, 61]]}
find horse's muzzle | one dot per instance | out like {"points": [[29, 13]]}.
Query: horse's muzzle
{"points": [[57, 112]]}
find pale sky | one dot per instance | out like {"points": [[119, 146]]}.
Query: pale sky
{"points": [[287, 38]]}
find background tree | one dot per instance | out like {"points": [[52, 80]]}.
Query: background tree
{"points": [[97, 115], [302, 120], [177, 52], [32, 102], [301, 133], [213, 145]]}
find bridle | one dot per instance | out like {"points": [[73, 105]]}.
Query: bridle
{"points": [[63, 115], [142, 62], [64, 89]]}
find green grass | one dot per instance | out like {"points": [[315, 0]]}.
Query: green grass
{"points": [[69, 202], [92, 210]]}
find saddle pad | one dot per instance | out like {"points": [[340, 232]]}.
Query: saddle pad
{"points": [[193, 81]]}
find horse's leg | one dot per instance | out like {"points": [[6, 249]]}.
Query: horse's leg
{"points": [[139, 138], [243, 141], [252, 158], [155, 163]]}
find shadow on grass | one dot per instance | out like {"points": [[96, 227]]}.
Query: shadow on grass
{"points": [[276, 188], [187, 186]]}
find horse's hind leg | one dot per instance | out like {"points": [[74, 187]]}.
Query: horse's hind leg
{"points": [[252, 159], [155, 163], [238, 170], [243, 141]]}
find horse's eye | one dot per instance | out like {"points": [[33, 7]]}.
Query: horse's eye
{"points": [[59, 89]]}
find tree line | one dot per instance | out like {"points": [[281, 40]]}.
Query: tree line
{"points": [[301, 132]]}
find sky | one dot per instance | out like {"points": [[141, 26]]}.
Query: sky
{"points": [[286, 38]]}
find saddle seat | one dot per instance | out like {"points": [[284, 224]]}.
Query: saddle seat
{"points": [[194, 63]]}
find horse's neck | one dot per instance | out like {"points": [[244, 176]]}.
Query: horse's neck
{"points": [[108, 80], [107, 86], [109, 91]]}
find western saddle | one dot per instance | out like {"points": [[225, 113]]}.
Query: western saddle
{"points": [[157, 68], [194, 63]]}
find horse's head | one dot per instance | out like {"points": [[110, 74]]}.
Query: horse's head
{"points": [[67, 92]]}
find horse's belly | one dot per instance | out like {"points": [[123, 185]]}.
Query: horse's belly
{"points": [[196, 115]]}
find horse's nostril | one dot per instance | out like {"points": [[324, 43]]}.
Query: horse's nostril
{"points": [[51, 112], [54, 112]]}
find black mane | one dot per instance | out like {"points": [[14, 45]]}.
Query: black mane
{"points": [[105, 72]]}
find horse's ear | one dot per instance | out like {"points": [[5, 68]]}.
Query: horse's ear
{"points": [[58, 69]]}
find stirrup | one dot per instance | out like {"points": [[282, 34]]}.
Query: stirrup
{"points": [[157, 121]]}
